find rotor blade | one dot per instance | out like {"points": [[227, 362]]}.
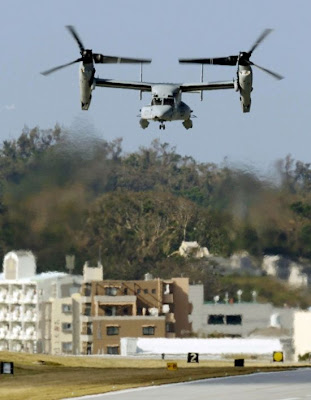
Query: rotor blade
{"points": [[264, 34], [50, 71], [274, 74], [101, 59], [231, 60], [72, 30]]}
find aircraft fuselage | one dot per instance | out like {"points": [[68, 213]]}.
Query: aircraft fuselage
{"points": [[166, 105]]}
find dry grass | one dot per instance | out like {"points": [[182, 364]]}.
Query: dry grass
{"points": [[52, 378]]}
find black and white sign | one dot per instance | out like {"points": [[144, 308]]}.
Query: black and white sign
{"points": [[7, 368], [239, 362], [193, 358]]}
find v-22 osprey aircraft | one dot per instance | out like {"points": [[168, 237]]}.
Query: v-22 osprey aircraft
{"points": [[166, 103]]}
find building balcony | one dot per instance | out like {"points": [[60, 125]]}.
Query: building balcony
{"points": [[16, 346], [86, 338], [28, 336], [28, 318], [10, 300], [15, 317], [85, 299], [14, 336], [9, 317], [3, 316], [4, 346], [16, 298], [86, 318], [116, 300], [29, 300]]}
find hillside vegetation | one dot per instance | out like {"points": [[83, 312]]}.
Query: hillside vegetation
{"points": [[71, 193]]}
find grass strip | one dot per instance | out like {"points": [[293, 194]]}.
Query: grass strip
{"points": [[53, 378]]}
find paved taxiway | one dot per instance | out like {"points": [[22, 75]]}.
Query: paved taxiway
{"points": [[287, 385]]}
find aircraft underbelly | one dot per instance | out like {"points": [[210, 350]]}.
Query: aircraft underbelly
{"points": [[153, 113]]}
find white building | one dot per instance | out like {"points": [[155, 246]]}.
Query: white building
{"points": [[252, 320], [21, 294]]}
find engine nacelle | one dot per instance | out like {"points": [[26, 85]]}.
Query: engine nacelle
{"points": [[87, 72], [245, 77]]}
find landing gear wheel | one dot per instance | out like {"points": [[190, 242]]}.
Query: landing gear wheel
{"points": [[162, 126], [187, 124], [144, 123]]}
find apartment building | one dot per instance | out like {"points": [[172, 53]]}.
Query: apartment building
{"points": [[111, 309], [25, 323]]}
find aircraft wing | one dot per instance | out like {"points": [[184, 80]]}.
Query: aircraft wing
{"points": [[112, 83], [194, 87]]}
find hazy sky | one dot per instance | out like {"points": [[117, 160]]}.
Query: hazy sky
{"points": [[33, 39]]}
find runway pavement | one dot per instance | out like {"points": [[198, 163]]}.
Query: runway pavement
{"points": [[287, 385]]}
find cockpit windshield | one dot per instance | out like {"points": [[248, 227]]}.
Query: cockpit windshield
{"points": [[168, 102], [162, 102], [156, 102]]}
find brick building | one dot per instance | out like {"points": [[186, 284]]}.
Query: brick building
{"points": [[111, 309]]}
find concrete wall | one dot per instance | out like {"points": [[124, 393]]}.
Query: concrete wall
{"points": [[92, 273], [219, 347], [253, 315], [59, 334], [196, 296], [19, 265], [302, 333], [181, 306], [126, 326]]}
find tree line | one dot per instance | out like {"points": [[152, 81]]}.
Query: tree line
{"points": [[65, 192]]}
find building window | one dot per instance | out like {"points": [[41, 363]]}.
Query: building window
{"points": [[111, 311], [87, 309], [153, 291], [146, 291], [170, 327], [89, 348], [89, 328], [234, 319], [87, 289], [215, 319], [66, 327], [148, 330], [138, 291], [67, 308], [125, 291], [112, 349], [67, 347], [112, 330], [111, 291]]}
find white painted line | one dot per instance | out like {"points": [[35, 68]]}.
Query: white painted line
{"points": [[292, 398]]}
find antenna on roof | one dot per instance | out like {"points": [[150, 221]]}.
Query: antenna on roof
{"points": [[216, 299], [254, 295], [70, 263], [100, 254], [239, 293]]}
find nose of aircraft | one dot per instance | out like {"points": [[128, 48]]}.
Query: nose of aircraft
{"points": [[162, 112]]}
